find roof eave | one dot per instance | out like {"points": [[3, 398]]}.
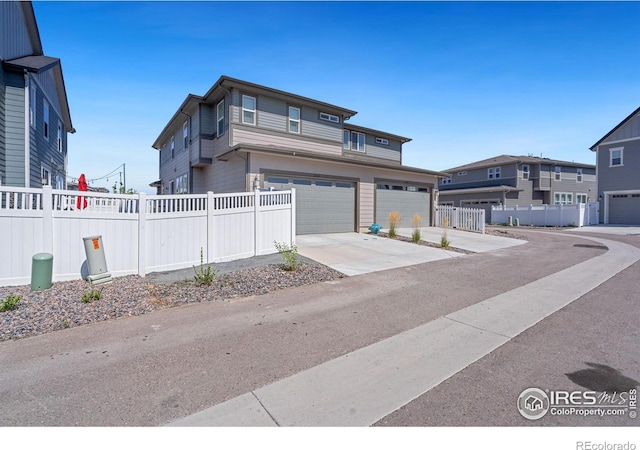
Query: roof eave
{"points": [[593, 148]]}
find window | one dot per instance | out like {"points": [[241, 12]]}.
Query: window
{"points": [[32, 105], [248, 110], [557, 173], [173, 147], [344, 185], [353, 141], [59, 136], [324, 183], [446, 180], [46, 120], [579, 179], [525, 172], [615, 157], [277, 180], [45, 175], [302, 182], [493, 173], [329, 117], [220, 118], [181, 186], [382, 141], [462, 174], [294, 119], [581, 198], [562, 198], [185, 135]]}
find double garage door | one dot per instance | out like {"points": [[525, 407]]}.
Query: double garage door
{"points": [[323, 205], [405, 199], [624, 209]]}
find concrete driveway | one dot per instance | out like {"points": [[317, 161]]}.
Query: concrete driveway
{"points": [[356, 253], [620, 230]]}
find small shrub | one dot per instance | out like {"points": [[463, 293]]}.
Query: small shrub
{"points": [[91, 295], [444, 241], [394, 220], [204, 274], [9, 303], [417, 223], [66, 323], [289, 255]]}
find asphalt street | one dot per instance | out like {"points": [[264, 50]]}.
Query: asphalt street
{"points": [[163, 366]]}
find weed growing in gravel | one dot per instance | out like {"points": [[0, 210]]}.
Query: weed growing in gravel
{"points": [[91, 294], [10, 303], [204, 274], [417, 223], [289, 255], [444, 241], [66, 323], [394, 220]]}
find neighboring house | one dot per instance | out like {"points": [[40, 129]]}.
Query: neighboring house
{"points": [[34, 113], [518, 180], [618, 162], [241, 136]]}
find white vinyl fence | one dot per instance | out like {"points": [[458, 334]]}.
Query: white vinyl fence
{"points": [[469, 219], [579, 215], [140, 233]]}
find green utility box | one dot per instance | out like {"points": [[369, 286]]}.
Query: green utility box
{"points": [[41, 271]]}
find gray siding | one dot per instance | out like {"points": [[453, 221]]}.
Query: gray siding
{"points": [[391, 151], [631, 129], [479, 178], [226, 176], [14, 130], [14, 39], [2, 134], [620, 178]]}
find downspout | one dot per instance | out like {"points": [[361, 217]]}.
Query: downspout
{"points": [[27, 130]]}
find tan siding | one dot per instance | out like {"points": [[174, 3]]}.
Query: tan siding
{"points": [[245, 136]]}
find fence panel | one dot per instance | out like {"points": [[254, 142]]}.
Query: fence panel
{"points": [[577, 215], [468, 219]]}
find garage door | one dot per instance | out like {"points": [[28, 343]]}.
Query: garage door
{"points": [[322, 205], [624, 209], [405, 199], [481, 204]]}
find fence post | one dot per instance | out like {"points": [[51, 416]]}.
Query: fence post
{"points": [[47, 219], [210, 233], [257, 221], [142, 234], [293, 216]]}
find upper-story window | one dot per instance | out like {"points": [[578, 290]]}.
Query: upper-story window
{"points": [[220, 118], [59, 136], [32, 105], [294, 119], [185, 135], [248, 110], [557, 173], [525, 172], [493, 173], [46, 120], [579, 178], [446, 180], [353, 141], [462, 174], [382, 141], [173, 146], [615, 157], [330, 117]]}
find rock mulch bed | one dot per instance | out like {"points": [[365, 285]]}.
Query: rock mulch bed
{"points": [[426, 243], [62, 306]]}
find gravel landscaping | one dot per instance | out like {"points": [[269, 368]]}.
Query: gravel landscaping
{"points": [[62, 305]]}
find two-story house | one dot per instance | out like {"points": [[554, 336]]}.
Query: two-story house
{"points": [[618, 163], [518, 180], [242, 136], [34, 112]]}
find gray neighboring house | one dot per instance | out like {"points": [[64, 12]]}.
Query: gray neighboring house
{"points": [[618, 162], [518, 180], [34, 113], [241, 136]]}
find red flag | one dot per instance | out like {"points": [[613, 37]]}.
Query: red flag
{"points": [[82, 186]]}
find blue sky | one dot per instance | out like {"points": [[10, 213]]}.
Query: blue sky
{"points": [[466, 81]]}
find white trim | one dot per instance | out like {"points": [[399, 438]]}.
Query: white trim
{"points": [[607, 194], [329, 117], [27, 133], [586, 196], [254, 110], [528, 171], [220, 117], [618, 141], [567, 194], [296, 121]]}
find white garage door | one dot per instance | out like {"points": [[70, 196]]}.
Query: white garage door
{"points": [[322, 205], [408, 200], [624, 209]]}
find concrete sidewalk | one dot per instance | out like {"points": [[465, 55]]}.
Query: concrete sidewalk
{"points": [[388, 374]]}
